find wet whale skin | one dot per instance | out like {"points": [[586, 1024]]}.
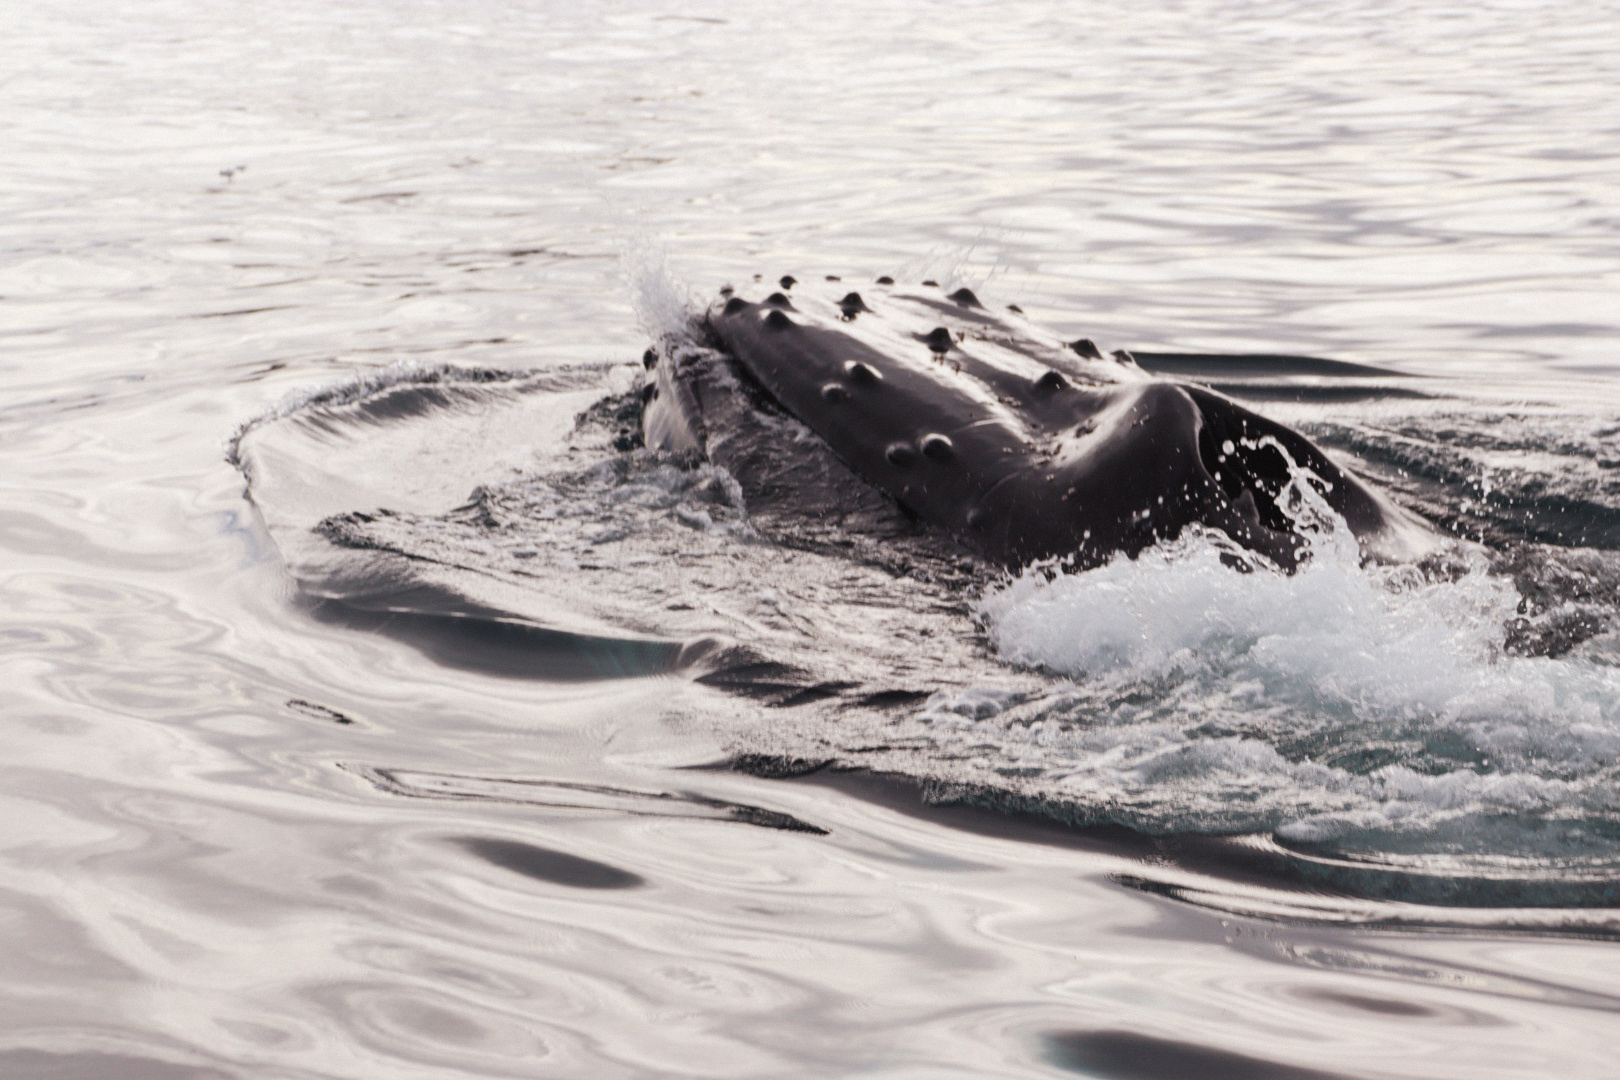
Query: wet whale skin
{"points": [[1016, 444]]}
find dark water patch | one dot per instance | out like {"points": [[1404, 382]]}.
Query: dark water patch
{"points": [[318, 712], [775, 766], [381, 196], [528, 252], [1364, 1003], [1559, 492], [769, 682], [888, 699], [1530, 510], [811, 694], [620, 414], [504, 646], [243, 311], [1291, 900], [1300, 884], [931, 802], [1316, 395], [1126, 1055], [1569, 597], [567, 795], [1533, 883], [39, 1065], [550, 865], [1251, 365]]}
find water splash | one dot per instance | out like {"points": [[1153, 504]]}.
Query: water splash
{"points": [[1363, 705], [663, 304]]}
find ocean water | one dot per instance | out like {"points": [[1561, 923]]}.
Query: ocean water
{"points": [[367, 716]]}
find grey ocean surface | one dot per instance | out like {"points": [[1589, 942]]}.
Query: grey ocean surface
{"points": [[246, 835]]}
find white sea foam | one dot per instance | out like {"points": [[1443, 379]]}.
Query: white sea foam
{"points": [[1336, 701]]}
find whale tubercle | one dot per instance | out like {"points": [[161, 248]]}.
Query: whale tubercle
{"points": [[861, 374], [988, 435]]}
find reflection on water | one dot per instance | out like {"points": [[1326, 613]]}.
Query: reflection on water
{"points": [[1129, 1056], [206, 210], [556, 867]]}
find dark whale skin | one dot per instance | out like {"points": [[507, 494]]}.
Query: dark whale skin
{"points": [[1022, 448]]}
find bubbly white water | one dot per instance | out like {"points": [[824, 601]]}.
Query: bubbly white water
{"points": [[1209, 681]]}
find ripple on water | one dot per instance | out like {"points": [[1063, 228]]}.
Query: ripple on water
{"points": [[194, 889]]}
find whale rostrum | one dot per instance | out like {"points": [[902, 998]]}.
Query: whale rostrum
{"points": [[1018, 445]]}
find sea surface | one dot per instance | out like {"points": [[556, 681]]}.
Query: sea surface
{"points": [[365, 703]]}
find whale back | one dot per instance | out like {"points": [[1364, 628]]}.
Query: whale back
{"points": [[1018, 444]]}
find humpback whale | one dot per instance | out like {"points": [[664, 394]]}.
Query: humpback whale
{"points": [[987, 428]]}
